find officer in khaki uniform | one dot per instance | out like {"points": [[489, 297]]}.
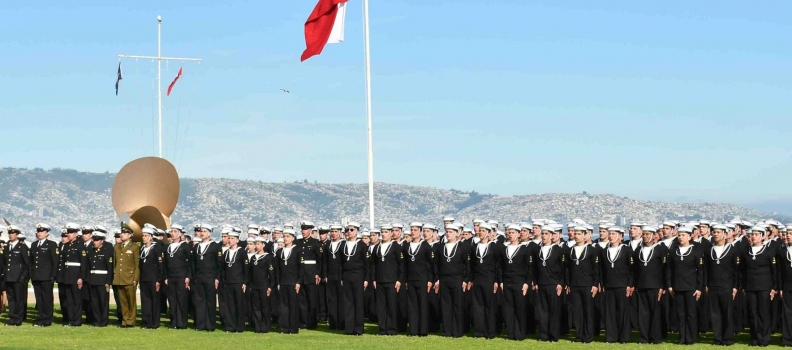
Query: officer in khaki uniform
{"points": [[127, 275]]}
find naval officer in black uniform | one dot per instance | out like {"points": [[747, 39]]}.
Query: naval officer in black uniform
{"points": [[16, 276], [178, 274], [44, 256]]}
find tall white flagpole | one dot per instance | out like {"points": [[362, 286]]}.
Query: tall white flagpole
{"points": [[159, 81], [368, 114]]}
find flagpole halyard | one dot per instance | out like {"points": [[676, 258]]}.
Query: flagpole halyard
{"points": [[368, 114]]}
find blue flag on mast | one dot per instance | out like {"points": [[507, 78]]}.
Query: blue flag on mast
{"points": [[119, 77]]}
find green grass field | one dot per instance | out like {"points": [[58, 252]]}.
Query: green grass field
{"points": [[87, 337]]}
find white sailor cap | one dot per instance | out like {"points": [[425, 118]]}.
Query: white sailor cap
{"points": [[571, 224], [669, 224], [253, 227], [14, 229], [336, 227], [252, 231], [22, 236], [237, 229], [226, 230], [500, 233], [99, 234], [277, 229], [306, 224], [386, 227], [579, 221], [397, 225], [548, 228], [373, 231], [579, 228], [288, 231], [616, 229], [788, 225], [177, 227], [148, 230], [196, 239], [354, 224], [685, 229], [260, 239], [448, 218], [782, 228], [537, 222], [431, 227], [416, 224], [588, 227], [280, 240], [44, 227], [526, 226], [324, 228], [704, 222], [465, 229], [485, 226], [719, 227], [233, 234], [204, 227], [478, 221], [557, 227], [773, 223], [265, 229], [514, 227], [758, 228], [637, 223], [649, 228], [452, 227], [730, 226], [366, 234], [493, 222], [550, 222], [288, 225]]}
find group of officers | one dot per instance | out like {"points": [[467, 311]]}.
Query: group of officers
{"points": [[686, 278]]}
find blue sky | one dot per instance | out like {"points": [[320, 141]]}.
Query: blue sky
{"points": [[672, 100]]}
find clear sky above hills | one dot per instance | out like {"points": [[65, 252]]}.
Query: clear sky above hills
{"points": [[672, 100]]}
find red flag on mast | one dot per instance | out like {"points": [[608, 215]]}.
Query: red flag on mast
{"points": [[324, 25], [175, 80]]}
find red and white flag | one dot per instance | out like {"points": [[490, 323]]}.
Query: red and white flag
{"points": [[324, 26], [178, 75]]}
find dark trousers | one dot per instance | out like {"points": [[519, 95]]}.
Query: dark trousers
{"points": [[275, 304], [686, 314], [530, 310], [322, 300], [633, 311], [150, 304], [353, 301], [583, 305], [260, 316], [617, 315], [17, 301], [86, 303], [100, 305], [703, 313], [64, 305], [548, 313], [236, 308], [404, 306], [435, 316], [289, 310], [221, 300], [370, 304], [649, 315], [44, 301], [760, 317], [164, 299], [418, 303], [205, 300], [335, 305], [721, 308], [177, 299], [484, 310], [513, 315], [309, 304], [451, 297], [386, 308], [786, 318], [74, 303], [668, 316], [119, 315]]}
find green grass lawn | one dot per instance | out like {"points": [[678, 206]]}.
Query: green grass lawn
{"points": [[87, 337]]}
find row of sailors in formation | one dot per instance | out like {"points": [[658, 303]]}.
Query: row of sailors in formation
{"points": [[460, 283]]}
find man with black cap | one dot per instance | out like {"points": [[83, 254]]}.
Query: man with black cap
{"points": [[178, 274], [126, 276], [312, 268], [73, 277], [208, 265], [44, 255], [17, 276], [151, 280], [100, 277]]}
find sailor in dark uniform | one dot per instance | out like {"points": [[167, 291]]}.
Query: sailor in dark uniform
{"points": [[289, 283], [583, 271], [485, 267], [784, 260], [16, 276], [433, 299], [388, 274], [64, 239], [263, 278], [324, 241], [355, 279], [207, 266], [100, 278], [44, 256], [515, 264], [332, 276], [686, 284], [151, 280], [311, 255], [421, 271], [235, 279], [759, 284], [616, 263], [550, 281], [402, 304], [453, 269], [370, 239], [73, 276], [87, 234], [178, 274], [650, 270], [722, 271]]}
